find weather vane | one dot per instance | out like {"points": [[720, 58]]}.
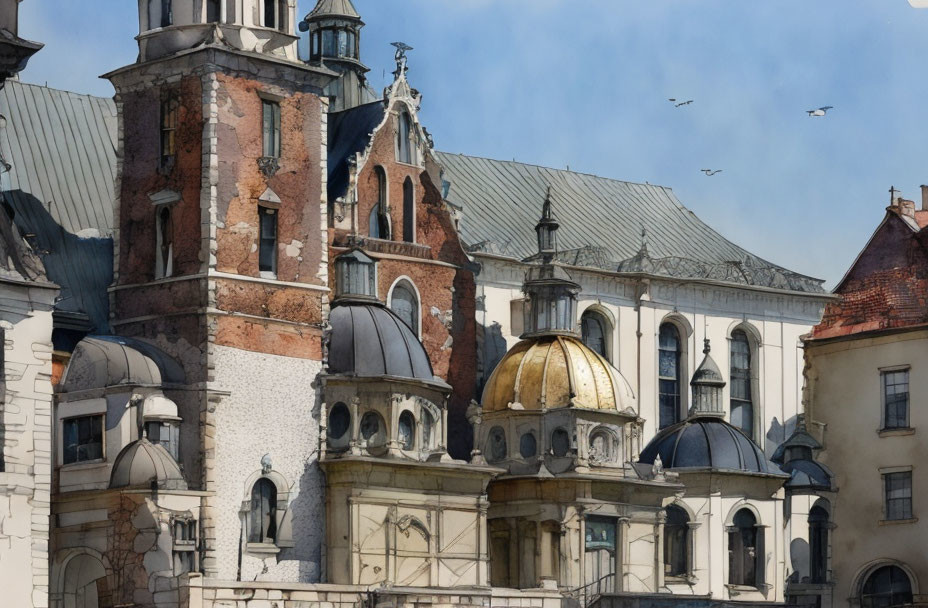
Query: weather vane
{"points": [[401, 48]]}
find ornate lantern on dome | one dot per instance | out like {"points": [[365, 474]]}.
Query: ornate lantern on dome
{"points": [[707, 386]]}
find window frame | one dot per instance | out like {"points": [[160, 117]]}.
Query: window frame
{"points": [[888, 476], [406, 284], [597, 316], [267, 535], [685, 544], [270, 128], [679, 380], [819, 520], [405, 149], [740, 578], [169, 117], [184, 548], [409, 211], [217, 4], [64, 450], [865, 599], [164, 260], [267, 211], [172, 444], [745, 375], [167, 13], [885, 372]]}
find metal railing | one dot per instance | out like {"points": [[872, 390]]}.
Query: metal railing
{"points": [[588, 593]]}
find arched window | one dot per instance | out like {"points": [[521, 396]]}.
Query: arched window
{"points": [[164, 243], [404, 152], [818, 544], [262, 526], [560, 443], [593, 329], [742, 406], [886, 586], [669, 374], [379, 221], [528, 446], [745, 551], [676, 542], [406, 433], [339, 422], [373, 430], [409, 212], [405, 304]]}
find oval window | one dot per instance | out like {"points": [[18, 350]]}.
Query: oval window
{"points": [[339, 421], [560, 442], [496, 444], [528, 447], [372, 430]]}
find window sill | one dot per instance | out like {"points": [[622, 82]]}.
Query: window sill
{"points": [[267, 274], [896, 432], [688, 579], [99, 463], [896, 522], [263, 548]]}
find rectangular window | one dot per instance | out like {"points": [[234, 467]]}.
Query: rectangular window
{"points": [[271, 128], [169, 111], [896, 399], [167, 13], [185, 545], [83, 439], [267, 248], [165, 433], [213, 11], [898, 492]]}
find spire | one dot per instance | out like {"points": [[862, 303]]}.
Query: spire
{"points": [[707, 386], [334, 8], [552, 295]]}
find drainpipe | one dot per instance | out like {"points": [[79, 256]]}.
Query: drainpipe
{"points": [[641, 288]]}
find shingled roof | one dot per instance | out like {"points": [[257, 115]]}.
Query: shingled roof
{"points": [[601, 224], [61, 147]]}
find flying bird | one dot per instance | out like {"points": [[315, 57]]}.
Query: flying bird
{"points": [[819, 112], [710, 172], [683, 103]]}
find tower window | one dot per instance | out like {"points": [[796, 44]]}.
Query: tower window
{"points": [[263, 517], [818, 544], [328, 43], [895, 399], [267, 247], [83, 439], [742, 406], [169, 110], [409, 212], [404, 148], [676, 542], [406, 432], [379, 221], [165, 433], [271, 128], [593, 329], [745, 551], [164, 243], [275, 14], [213, 11], [167, 13], [669, 374], [405, 304], [185, 544]]}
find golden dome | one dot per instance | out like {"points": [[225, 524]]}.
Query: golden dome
{"points": [[553, 372]]}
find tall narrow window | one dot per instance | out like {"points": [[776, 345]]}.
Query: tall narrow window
{"points": [[271, 128], [169, 110], [403, 140], [328, 43], [669, 375], [745, 561], [409, 212], [83, 439], [164, 242], [593, 329], [267, 248], [896, 399], [270, 13], [898, 495], [818, 544], [379, 222], [165, 433], [676, 542], [185, 545], [167, 13], [887, 586], [405, 304], [263, 516], [742, 406], [213, 11]]}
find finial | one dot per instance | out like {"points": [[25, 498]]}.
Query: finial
{"points": [[644, 239], [706, 348], [400, 56], [892, 195], [546, 208]]}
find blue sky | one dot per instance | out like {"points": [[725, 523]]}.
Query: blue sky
{"points": [[585, 84]]}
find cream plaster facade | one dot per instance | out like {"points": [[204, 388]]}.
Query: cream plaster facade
{"points": [[846, 406]]}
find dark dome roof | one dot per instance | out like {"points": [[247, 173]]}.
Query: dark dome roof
{"points": [[707, 443], [369, 340], [807, 474]]}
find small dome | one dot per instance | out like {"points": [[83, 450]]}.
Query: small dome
{"points": [[102, 361], [707, 443], [142, 462], [707, 373], [807, 474], [553, 372], [369, 340]]}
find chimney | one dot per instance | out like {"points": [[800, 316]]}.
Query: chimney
{"points": [[924, 197], [906, 208]]}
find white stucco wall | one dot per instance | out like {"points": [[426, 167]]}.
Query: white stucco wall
{"points": [[26, 442], [271, 408]]}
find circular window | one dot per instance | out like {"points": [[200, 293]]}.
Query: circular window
{"points": [[496, 444], [528, 447], [339, 421], [372, 430], [560, 442], [406, 434]]}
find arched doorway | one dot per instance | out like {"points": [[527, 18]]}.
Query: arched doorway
{"points": [[85, 584]]}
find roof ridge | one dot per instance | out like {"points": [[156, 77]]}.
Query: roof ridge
{"points": [[68, 91]]}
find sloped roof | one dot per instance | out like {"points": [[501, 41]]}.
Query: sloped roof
{"points": [[335, 8], [349, 133], [601, 224], [62, 150]]}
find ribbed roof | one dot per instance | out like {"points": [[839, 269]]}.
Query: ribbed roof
{"points": [[334, 8], [142, 462], [808, 475], [62, 149], [707, 443], [554, 372], [102, 361], [369, 340], [601, 221]]}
